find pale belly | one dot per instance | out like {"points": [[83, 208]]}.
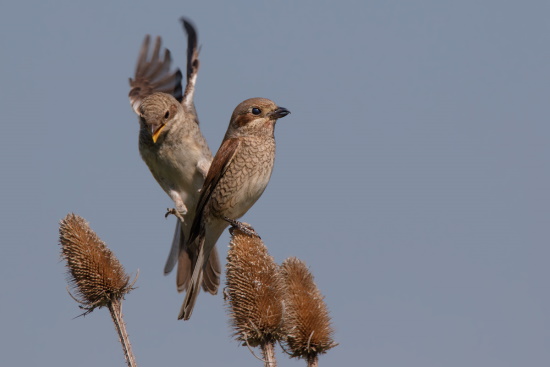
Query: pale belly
{"points": [[246, 195]]}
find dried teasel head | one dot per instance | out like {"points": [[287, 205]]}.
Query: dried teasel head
{"points": [[253, 291], [93, 272], [307, 323]]}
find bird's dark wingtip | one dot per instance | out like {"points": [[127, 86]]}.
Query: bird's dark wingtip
{"points": [[189, 26]]}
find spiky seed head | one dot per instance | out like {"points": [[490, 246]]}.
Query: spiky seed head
{"points": [[254, 293], [93, 272], [307, 323]]}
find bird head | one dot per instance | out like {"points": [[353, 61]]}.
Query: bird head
{"points": [[157, 113], [255, 116]]}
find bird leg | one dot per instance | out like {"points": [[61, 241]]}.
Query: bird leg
{"points": [[175, 212], [180, 210], [243, 227]]}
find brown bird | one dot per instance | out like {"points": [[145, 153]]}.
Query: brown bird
{"points": [[237, 177], [173, 147]]}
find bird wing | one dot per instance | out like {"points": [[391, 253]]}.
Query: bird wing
{"points": [[153, 74], [192, 63], [219, 166]]}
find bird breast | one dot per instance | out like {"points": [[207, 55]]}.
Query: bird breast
{"points": [[245, 179]]}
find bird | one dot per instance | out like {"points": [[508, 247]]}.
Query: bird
{"points": [[172, 146], [238, 175]]}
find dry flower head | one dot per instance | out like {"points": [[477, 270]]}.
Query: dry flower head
{"points": [[93, 272], [307, 322], [253, 290]]}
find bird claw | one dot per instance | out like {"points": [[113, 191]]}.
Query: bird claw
{"points": [[174, 212], [243, 227]]}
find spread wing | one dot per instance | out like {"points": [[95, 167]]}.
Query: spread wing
{"points": [[153, 74], [192, 63], [219, 166]]}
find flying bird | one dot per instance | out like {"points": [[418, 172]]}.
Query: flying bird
{"points": [[237, 178], [173, 147]]}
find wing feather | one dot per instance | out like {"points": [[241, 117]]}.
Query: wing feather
{"points": [[192, 62], [153, 74], [219, 166]]}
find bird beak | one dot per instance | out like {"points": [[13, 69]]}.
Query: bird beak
{"points": [[156, 130], [279, 113]]}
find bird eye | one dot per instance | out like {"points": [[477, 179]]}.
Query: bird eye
{"points": [[256, 111], [167, 114]]}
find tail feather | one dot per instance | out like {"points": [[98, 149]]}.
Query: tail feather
{"points": [[187, 259], [212, 272], [193, 288], [185, 269], [174, 250], [190, 300]]}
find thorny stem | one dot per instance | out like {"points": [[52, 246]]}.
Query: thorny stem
{"points": [[312, 360], [115, 307], [268, 351]]}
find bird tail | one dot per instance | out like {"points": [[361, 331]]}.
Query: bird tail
{"points": [[187, 262], [193, 287], [175, 249], [212, 271], [186, 258]]}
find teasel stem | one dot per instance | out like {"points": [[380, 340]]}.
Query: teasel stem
{"points": [[268, 351], [115, 308], [313, 360]]}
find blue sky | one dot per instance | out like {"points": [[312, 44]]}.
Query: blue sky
{"points": [[412, 175]]}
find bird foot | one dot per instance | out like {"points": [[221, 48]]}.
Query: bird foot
{"points": [[173, 211], [243, 227]]}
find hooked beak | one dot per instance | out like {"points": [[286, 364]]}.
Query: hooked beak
{"points": [[156, 130], [279, 113]]}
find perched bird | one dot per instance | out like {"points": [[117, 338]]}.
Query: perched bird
{"points": [[173, 147], [237, 177]]}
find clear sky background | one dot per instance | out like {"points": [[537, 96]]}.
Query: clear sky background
{"points": [[412, 175]]}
